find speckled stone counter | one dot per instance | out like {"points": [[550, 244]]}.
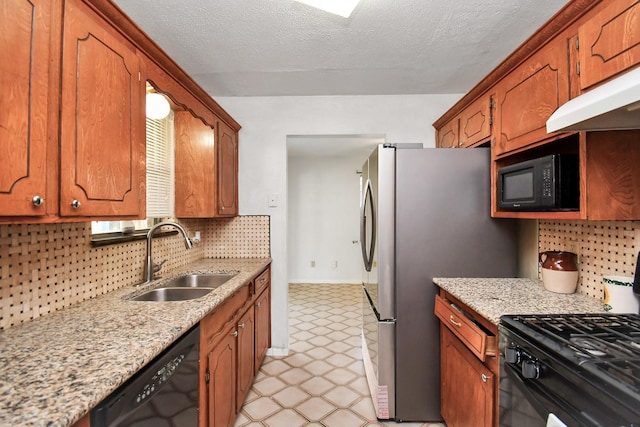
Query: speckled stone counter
{"points": [[54, 369], [493, 298]]}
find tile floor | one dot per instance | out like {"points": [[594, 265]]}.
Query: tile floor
{"points": [[321, 382]]}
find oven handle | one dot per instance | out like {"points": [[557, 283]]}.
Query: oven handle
{"points": [[543, 403]]}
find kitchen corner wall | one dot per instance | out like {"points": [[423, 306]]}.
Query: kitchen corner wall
{"points": [[604, 248], [47, 267]]}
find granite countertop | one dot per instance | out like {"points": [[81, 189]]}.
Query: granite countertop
{"points": [[493, 297], [54, 369]]}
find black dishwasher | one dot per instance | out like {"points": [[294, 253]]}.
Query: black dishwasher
{"points": [[162, 394]]}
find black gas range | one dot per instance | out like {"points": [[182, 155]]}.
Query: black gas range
{"points": [[570, 369]]}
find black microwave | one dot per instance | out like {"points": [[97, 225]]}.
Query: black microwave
{"points": [[549, 183]]}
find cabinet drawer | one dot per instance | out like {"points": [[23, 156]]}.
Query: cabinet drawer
{"points": [[212, 325], [480, 342], [262, 280]]}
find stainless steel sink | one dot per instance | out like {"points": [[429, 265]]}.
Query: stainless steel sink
{"points": [[212, 280], [172, 294]]}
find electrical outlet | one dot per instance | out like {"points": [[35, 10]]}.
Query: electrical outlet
{"points": [[334, 264], [313, 264]]}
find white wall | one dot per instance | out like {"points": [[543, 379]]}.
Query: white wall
{"points": [[266, 122], [323, 219]]}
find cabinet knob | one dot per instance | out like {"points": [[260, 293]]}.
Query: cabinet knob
{"points": [[241, 325], [235, 333], [484, 378], [37, 200], [221, 207], [257, 304], [75, 204]]}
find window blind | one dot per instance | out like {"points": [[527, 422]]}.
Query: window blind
{"points": [[160, 167]]}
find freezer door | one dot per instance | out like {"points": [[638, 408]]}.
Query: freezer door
{"points": [[378, 352]]}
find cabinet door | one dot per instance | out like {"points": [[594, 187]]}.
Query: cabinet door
{"points": [[448, 135], [475, 122], [263, 327], [102, 143], [227, 164], [195, 167], [221, 387], [24, 81], [245, 356], [609, 41], [467, 386], [528, 96]]}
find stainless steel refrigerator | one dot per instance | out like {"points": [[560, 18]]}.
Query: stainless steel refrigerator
{"points": [[425, 213]]}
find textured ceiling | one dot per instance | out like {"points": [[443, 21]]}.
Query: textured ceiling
{"points": [[281, 47]]}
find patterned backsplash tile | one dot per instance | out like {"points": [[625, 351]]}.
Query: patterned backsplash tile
{"points": [[604, 248], [47, 267]]}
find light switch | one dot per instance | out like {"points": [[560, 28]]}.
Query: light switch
{"points": [[273, 200]]}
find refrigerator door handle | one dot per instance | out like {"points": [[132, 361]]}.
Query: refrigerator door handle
{"points": [[367, 200]]}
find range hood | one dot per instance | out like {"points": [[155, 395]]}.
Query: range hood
{"points": [[613, 106]]}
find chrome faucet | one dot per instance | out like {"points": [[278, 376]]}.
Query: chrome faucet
{"points": [[150, 268]]}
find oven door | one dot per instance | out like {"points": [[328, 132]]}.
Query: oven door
{"points": [[524, 403]]}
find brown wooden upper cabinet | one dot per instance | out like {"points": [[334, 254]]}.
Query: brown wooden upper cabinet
{"points": [[609, 41], [72, 86], [24, 87], [471, 127], [448, 135], [528, 96], [195, 167], [227, 173], [476, 122], [206, 168], [102, 143], [583, 45]]}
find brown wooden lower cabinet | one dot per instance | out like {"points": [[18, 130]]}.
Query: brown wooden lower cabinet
{"points": [[246, 353], [220, 379], [468, 365], [467, 386], [262, 309], [234, 338]]}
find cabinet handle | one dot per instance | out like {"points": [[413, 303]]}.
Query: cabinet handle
{"points": [[235, 333], [37, 200], [75, 204], [453, 320], [484, 378], [241, 325]]}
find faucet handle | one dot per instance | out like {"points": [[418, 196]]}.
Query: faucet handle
{"points": [[158, 267]]}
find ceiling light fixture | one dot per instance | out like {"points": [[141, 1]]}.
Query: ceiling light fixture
{"points": [[337, 7], [157, 106]]}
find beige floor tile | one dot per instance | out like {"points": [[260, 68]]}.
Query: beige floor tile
{"points": [[286, 417], [315, 409]]}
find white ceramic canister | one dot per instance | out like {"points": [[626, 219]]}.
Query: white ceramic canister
{"points": [[619, 296]]}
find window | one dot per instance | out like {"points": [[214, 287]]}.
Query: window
{"points": [[160, 179]]}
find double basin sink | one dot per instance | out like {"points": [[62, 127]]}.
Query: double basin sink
{"points": [[185, 287]]}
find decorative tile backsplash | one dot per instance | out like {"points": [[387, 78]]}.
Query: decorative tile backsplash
{"points": [[47, 267], [604, 248]]}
